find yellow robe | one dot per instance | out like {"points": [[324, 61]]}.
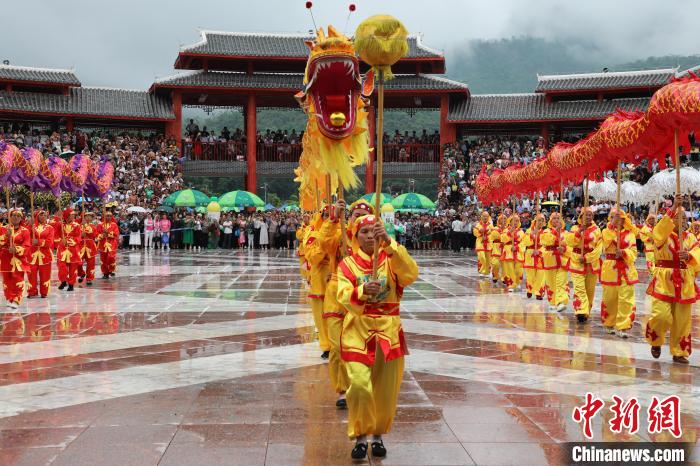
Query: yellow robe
{"points": [[319, 275], [512, 257], [372, 341], [584, 265], [301, 235], [646, 235], [483, 247], [333, 312], [673, 289], [554, 266], [534, 273], [618, 277], [496, 251]]}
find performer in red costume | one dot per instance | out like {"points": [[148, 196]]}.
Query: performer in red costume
{"points": [[69, 250], [88, 252], [41, 256], [107, 243], [15, 244]]}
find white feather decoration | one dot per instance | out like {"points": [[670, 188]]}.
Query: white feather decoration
{"points": [[664, 183], [605, 190], [632, 193]]}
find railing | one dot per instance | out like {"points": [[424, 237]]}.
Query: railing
{"points": [[231, 151], [278, 152], [412, 153]]}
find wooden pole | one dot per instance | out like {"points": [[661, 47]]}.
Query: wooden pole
{"points": [[619, 188], [583, 230], [329, 198], [380, 160], [343, 230], [7, 204], [679, 220], [561, 200], [31, 204]]}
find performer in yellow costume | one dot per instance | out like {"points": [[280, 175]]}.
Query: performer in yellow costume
{"points": [[533, 265], [482, 231], [373, 344], [333, 312], [618, 275], [584, 264], [554, 263], [496, 248], [673, 289], [301, 234], [512, 256], [695, 231], [320, 271], [645, 234]]}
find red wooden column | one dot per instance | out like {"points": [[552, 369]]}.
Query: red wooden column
{"points": [[369, 168], [544, 132], [251, 137], [448, 131], [69, 124], [173, 129]]}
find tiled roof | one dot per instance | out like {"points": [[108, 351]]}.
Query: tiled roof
{"points": [[695, 70], [42, 75], [293, 81], [609, 80], [533, 107], [275, 45], [90, 101]]}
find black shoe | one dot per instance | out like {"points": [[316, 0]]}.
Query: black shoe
{"points": [[325, 354], [70, 288], [359, 451], [529, 295], [112, 274], [539, 298], [495, 280], [105, 277], [341, 403], [582, 318], [680, 359], [378, 449], [88, 283], [656, 351], [62, 285], [80, 279]]}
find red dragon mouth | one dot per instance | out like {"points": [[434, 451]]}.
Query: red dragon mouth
{"points": [[335, 84]]}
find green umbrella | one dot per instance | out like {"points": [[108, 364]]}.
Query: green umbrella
{"points": [[201, 210], [371, 197], [412, 202], [166, 209], [240, 199], [291, 208], [187, 198]]}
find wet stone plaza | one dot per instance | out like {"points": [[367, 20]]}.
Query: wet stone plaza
{"points": [[212, 359]]}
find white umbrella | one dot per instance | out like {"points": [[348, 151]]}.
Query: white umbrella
{"points": [[632, 192], [605, 190], [664, 183], [137, 209]]}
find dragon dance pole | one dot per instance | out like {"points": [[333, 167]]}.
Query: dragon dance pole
{"points": [[619, 187], [31, 204], [343, 231], [679, 220], [561, 200], [380, 160], [585, 206]]}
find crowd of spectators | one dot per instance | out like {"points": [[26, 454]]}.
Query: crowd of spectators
{"points": [[198, 232], [147, 168]]}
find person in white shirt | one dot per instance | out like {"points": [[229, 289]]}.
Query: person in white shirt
{"points": [[456, 236]]}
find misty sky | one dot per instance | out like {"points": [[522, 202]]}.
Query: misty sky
{"points": [[127, 43]]}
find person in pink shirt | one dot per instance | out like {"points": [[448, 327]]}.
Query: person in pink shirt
{"points": [[164, 228]]}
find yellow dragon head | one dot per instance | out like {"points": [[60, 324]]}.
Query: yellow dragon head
{"points": [[334, 99]]}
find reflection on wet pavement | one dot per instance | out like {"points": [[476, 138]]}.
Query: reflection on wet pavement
{"points": [[212, 359]]}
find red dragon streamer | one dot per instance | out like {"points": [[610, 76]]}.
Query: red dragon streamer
{"points": [[623, 136]]}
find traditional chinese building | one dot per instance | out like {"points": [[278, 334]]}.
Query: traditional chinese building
{"points": [[261, 71]]}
